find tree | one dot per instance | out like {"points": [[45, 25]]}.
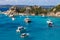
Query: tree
{"points": [[55, 9]]}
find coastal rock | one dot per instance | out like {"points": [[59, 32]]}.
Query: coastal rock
{"points": [[12, 11]]}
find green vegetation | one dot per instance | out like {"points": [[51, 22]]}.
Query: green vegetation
{"points": [[36, 10], [55, 9]]}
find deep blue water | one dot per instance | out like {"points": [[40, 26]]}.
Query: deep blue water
{"points": [[4, 9], [38, 28]]}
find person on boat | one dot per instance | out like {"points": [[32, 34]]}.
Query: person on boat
{"points": [[23, 35], [20, 29], [27, 20], [50, 23]]}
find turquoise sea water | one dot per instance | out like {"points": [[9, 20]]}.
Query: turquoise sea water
{"points": [[37, 29]]}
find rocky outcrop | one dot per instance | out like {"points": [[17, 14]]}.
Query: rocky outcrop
{"points": [[13, 10]]}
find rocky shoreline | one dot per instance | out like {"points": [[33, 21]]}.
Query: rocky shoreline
{"points": [[29, 11]]}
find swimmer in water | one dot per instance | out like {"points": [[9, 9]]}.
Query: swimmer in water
{"points": [[23, 35], [20, 29], [27, 20], [13, 18], [17, 30], [50, 23]]}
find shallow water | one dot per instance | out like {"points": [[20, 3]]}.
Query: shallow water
{"points": [[38, 28]]}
